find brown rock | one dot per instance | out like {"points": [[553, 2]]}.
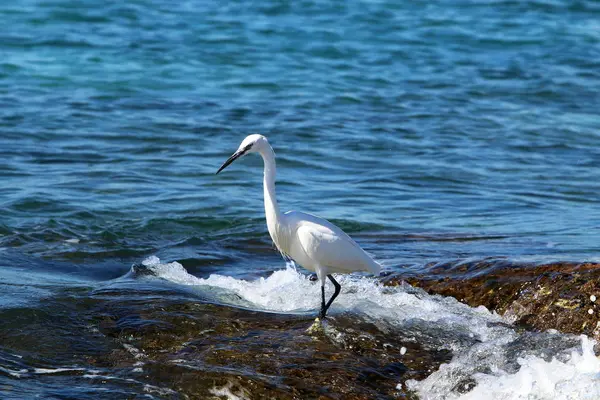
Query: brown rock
{"points": [[551, 296], [198, 350]]}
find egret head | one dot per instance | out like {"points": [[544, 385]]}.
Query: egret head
{"points": [[251, 144]]}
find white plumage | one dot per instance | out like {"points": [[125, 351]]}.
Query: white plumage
{"points": [[311, 241]]}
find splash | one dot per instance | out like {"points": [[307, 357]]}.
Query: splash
{"points": [[283, 291], [227, 392], [287, 290], [576, 378]]}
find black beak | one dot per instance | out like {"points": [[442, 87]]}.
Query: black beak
{"points": [[231, 159]]}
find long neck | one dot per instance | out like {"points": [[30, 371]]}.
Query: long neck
{"points": [[271, 207]]}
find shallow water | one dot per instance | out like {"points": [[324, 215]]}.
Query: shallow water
{"points": [[431, 132]]}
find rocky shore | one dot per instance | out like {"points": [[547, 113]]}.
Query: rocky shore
{"points": [[200, 350], [561, 296]]}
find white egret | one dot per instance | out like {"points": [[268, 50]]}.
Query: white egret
{"points": [[312, 242]]}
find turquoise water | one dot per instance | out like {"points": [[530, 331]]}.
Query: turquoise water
{"points": [[430, 131], [399, 122]]}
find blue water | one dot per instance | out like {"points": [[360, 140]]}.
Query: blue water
{"points": [[436, 131]]}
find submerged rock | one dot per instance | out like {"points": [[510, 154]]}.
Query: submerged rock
{"points": [[559, 296], [209, 351]]}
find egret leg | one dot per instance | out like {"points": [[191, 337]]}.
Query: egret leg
{"points": [[325, 307]]}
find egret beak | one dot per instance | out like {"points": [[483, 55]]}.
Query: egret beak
{"points": [[231, 159]]}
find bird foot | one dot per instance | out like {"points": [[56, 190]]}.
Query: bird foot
{"points": [[323, 329], [316, 327]]}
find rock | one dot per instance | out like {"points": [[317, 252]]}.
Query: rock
{"points": [[206, 351], [541, 297]]}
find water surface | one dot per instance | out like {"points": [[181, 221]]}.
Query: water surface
{"points": [[438, 131]]}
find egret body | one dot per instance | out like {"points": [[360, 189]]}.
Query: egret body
{"points": [[312, 242]]}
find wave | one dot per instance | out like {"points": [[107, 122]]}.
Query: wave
{"points": [[578, 377]]}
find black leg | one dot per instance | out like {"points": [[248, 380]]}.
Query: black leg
{"points": [[338, 287], [325, 307]]}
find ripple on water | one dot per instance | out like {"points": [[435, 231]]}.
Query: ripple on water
{"points": [[439, 135]]}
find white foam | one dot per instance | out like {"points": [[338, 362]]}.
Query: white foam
{"points": [[45, 371], [136, 353], [159, 390], [16, 374], [226, 391], [492, 360], [287, 290], [284, 290], [577, 378]]}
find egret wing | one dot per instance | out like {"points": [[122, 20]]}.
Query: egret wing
{"points": [[333, 250]]}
